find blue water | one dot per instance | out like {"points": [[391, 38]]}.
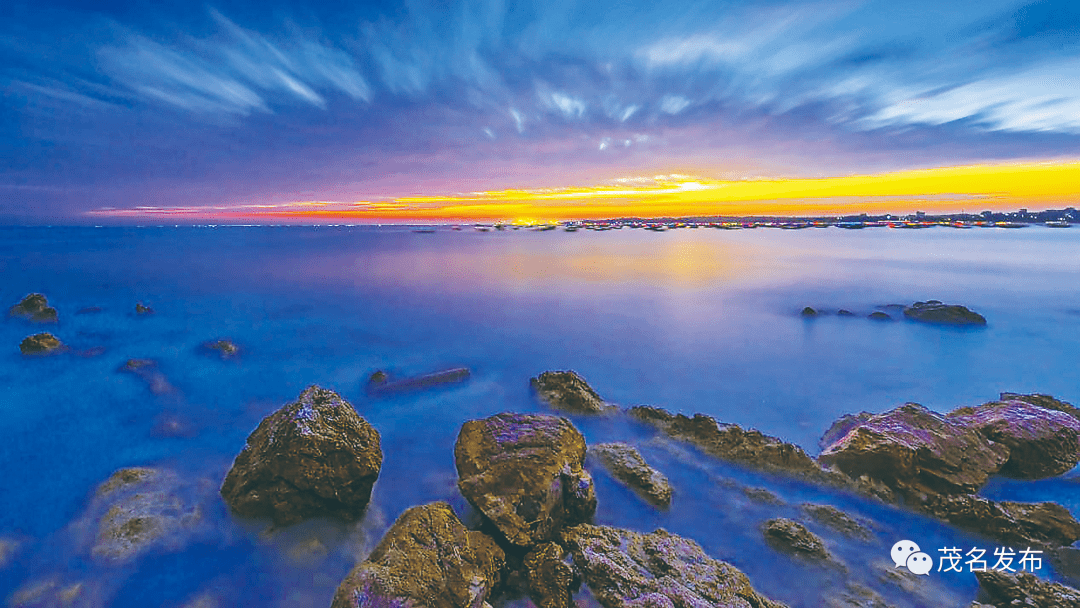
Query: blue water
{"points": [[689, 320]]}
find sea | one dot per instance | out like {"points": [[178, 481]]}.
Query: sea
{"points": [[690, 320]]}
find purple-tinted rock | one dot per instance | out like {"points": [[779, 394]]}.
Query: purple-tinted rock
{"points": [[525, 473], [1023, 589], [315, 457], [568, 392], [626, 569], [841, 428], [427, 558], [1044, 401], [1042, 443]]}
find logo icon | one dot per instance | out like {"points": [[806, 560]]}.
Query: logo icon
{"points": [[902, 550], [919, 563]]}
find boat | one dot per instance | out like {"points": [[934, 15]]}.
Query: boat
{"points": [[424, 230], [850, 225], [1058, 224], [1011, 225]]}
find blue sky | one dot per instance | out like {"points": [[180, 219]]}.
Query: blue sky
{"points": [[127, 104]]}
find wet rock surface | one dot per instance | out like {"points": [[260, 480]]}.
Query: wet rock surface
{"points": [[524, 473], [839, 521], [1043, 523], [917, 453], [1042, 443], [568, 392], [41, 344], [315, 457], [550, 579], [625, 463], [793, 538], [34, 307], [731, 442], [427, 558], [626, 569], [934, 312], [1022, 589]]}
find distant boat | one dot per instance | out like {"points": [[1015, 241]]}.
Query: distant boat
{"points": [[424, 230], [961, 225], [850, 225], [570, 229], [1058, 224], [482, 228], [1011, 225]]}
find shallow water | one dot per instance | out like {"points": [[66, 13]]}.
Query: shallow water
{"points": [[689, 320]]}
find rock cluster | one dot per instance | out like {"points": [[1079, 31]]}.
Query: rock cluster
{"points": [[937, 462], [315, 457], [524, 473], [625, 463], [568, 392], [427, 558], [34, 307]]}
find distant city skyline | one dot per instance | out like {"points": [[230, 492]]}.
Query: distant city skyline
{"points": [[534, 111]]}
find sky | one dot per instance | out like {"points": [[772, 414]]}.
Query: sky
{"points": [[537, 110]]}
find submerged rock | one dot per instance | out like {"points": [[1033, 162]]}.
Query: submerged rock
{"points": [[224, 347], [843, 312], [34, 307], [809, 312], [568, 392], [933, 311], [1044, 523], [315, 457], [147, 370], [625, 463], [56, 592], [1024, 589], [626, 569], [41, 344], [792, 537], [380, 383], [917, 453], [879, 316], [731, 442], [524, 472], [550, 579], [1042, 443], [144, 509], [836, 519], [427, 558]]}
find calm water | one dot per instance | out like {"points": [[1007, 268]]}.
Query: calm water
{"points": [[689, 320]]}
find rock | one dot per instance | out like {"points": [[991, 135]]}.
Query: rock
{"points": [[380, 384], [427, 558], [626, 464], [844, 313], [315, 457], [1042, 443], [224, 347], [917, 452], [550, 580], [1024, 589], [933, 311], [809, 312], [41, 344], [879, 316], [626, 569], [838, 520], [841, 428], [34, 307], [568, 392], [143, 509], [792, 537], [524, 473], [1043, 523], [762, 495], [1045, 402], [730, 442], [142, 309]]}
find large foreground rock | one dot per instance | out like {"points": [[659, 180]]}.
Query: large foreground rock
{"points": [[312, 458], [34, 307], [1024, 589], [1042, 443], [917, 453], [568, 392], [625, 463], [731, 442], [1043, 524], [427, 558], [626, 569], [525, 473], [933, 311]]}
